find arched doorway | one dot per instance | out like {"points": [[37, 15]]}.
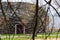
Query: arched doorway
{"points": [[19, 29]]}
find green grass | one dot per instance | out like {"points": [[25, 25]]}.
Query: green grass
{"points": [[14, 34], [52, 35], [15, 39]]}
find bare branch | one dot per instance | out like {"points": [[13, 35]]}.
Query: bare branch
{"points": [[15, 14], [3, 11]]}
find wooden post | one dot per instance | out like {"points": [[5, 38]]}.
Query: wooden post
{"points": [[15, 29], [23, 29]]}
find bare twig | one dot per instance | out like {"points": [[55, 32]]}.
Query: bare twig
{"points": [[3, 12], [15, 14]]}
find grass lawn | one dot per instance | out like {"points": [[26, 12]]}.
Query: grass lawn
{"points": [[27, 36], [15, 39]]}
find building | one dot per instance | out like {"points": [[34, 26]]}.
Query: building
{"points": [[21, 23]]}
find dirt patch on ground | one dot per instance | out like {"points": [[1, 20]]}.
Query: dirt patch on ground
{"points": [[48, 39]]}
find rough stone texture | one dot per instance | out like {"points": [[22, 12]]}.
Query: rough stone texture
{"points": [[26, 12]]}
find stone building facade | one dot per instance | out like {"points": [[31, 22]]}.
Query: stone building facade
{"points": [[25, 12]]}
